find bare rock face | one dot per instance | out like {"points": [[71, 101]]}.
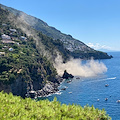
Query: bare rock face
{"points": [[66, 75], [29, 89], [49, 88]]}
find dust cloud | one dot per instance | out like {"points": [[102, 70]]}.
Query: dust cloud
{"points": [[77, 68]]}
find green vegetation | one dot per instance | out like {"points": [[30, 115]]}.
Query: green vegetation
{"points": [[52, 45], [16, 108], [90, 54], [24, 60]]}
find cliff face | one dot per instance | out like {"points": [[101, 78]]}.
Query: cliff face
{"points": [[19, 87], [22, 88], [24, 60]]}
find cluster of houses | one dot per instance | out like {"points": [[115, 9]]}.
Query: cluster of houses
{"points": [[7, 39]]}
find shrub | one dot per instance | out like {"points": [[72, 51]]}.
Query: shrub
{"points": [[16, 108]]}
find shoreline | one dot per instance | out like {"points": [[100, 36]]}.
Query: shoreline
{"points": [[49, 89]]}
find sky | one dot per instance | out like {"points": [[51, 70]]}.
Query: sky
{"points": [[94, 22]]}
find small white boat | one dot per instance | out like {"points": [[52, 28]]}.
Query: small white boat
{"points": [[98, 99], [106, 99], [118, 101], [106, 85]]}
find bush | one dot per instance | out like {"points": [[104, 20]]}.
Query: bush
{"points": [[16, 108], [11, 77]]}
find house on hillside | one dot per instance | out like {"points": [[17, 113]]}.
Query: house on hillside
{"points": [[13, 30], [4, 24], [5, 47], [8, 41], [2, 54], [5, 37], [10, 49], [23, 38]]}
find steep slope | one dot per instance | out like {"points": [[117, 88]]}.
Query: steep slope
{"points": [[26, 57], [77, 48]]}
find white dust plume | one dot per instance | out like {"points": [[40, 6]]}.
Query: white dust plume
{"points": [[77, 68]]}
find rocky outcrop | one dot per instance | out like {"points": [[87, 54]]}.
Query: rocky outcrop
{"points": [[49, 88], [23, 88], [66, 75]]}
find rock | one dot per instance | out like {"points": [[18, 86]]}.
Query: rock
{"points": [[63, 89], [69, 81], [66, 75], [32, 94], [49, 88], [59, 79]]}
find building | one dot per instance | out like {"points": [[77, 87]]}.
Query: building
{"points": [[2, 54], [10, 49], [13, 30], [4, 24], [23, 38], [8, 41], [5, 37]]}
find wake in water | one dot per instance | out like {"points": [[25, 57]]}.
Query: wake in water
{"points": [[113, 78]]}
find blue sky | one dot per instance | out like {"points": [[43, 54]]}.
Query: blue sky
{"points": [[94, 22]]}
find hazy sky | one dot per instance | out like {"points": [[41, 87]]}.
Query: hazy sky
{"points": [[94, 22]]}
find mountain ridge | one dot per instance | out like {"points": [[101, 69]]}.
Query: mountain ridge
{"points": [[77, 48]]}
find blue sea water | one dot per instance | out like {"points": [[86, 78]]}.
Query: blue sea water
{"points": [[88, 90]]}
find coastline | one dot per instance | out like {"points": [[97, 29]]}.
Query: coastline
{"points": [[49, 89]]}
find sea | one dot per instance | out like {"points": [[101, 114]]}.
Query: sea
{"points": [[94, 90]]}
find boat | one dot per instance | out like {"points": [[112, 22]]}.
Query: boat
{"points": [[106, 85], [98, 99], [77, 77], [63, 89], [69, 81], [118, 101], [106, 99]]}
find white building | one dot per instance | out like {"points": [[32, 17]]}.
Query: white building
{"points": [[2, 54], [23, 38], [10, 49], [13, 30], [5, 37]]}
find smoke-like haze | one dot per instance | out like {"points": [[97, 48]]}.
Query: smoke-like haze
{"points": [[23, 25], [77, 68], [74, 66]]}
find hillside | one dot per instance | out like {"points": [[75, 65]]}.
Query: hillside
{"points": [[26, 61], [27, 57], [77, 49]]}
